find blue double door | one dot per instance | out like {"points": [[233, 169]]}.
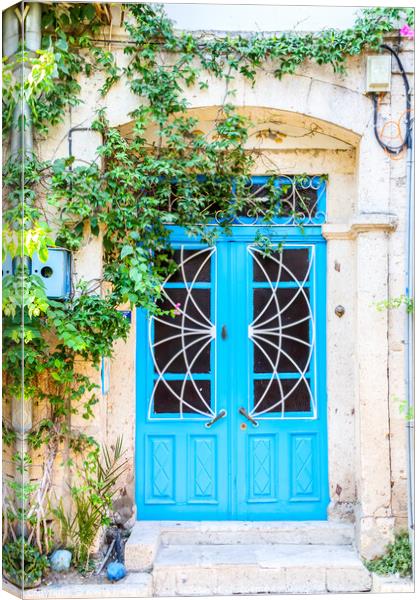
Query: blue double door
{"points": [[231, 399]]}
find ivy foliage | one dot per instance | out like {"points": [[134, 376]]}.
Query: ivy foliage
{"points": [[67, 50], [148, 182], [289, 50]]}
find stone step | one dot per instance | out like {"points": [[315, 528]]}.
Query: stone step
{"points": [[257, 532], [226, 569], [147, 536]]}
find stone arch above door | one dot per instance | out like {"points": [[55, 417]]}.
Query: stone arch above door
{"points": [[294, 130], [292, 143]]}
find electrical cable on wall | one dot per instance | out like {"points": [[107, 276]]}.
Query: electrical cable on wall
{"points": [[397, 132], [407, 140]]}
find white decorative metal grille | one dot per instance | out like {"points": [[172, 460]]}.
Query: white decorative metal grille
{"points": [[298, 203], [194, 330], [269, 333]]}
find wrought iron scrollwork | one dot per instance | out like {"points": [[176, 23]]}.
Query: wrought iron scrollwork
{"points": [[294, 201]]}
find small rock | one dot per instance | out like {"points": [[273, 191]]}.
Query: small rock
{"points": [[60, 560], [115, 571]]}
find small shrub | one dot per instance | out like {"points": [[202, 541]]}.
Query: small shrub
{"points": [[92, 503], [23, 564], [397, 559]]}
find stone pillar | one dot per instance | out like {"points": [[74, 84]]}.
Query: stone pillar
{"points": [[374, 514], [341, 288], [372, 226], [373, 510]]}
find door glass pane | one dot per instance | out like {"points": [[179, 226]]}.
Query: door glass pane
{"points": [[298, 200], [193, 265], [181, 342], [282, 331], [278, 395], [182, 396], [286, 265]]}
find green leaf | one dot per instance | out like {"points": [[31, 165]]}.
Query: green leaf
{"points": [[126, 251], [43, 254]]}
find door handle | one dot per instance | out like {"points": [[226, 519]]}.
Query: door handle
{"points": [[245, 414], [219, 416], [224, 332]]}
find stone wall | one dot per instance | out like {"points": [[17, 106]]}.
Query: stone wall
{"points": [[365, 231]]}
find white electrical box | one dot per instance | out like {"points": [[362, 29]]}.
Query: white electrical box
{"points": [[378, 73]]}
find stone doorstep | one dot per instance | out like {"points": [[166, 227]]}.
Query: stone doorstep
{"points": [[200, 570], [135, 585], [147, 536]]}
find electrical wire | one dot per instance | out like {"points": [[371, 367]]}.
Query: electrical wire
{"points": [[407, 141], [396, 127]]}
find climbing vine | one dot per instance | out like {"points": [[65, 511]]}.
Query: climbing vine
{"points": [[165, 172]]}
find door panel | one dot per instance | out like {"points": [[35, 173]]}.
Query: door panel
{"points": [[231, 420], [180, 471], [283, 442]]}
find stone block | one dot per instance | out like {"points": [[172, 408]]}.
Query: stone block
{"points": [[349, 580], [305, 580], [141, 547], [391, 584], [60, 560]]}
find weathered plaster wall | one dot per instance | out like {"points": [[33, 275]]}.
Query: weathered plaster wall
{"points": [[365, 264]]}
